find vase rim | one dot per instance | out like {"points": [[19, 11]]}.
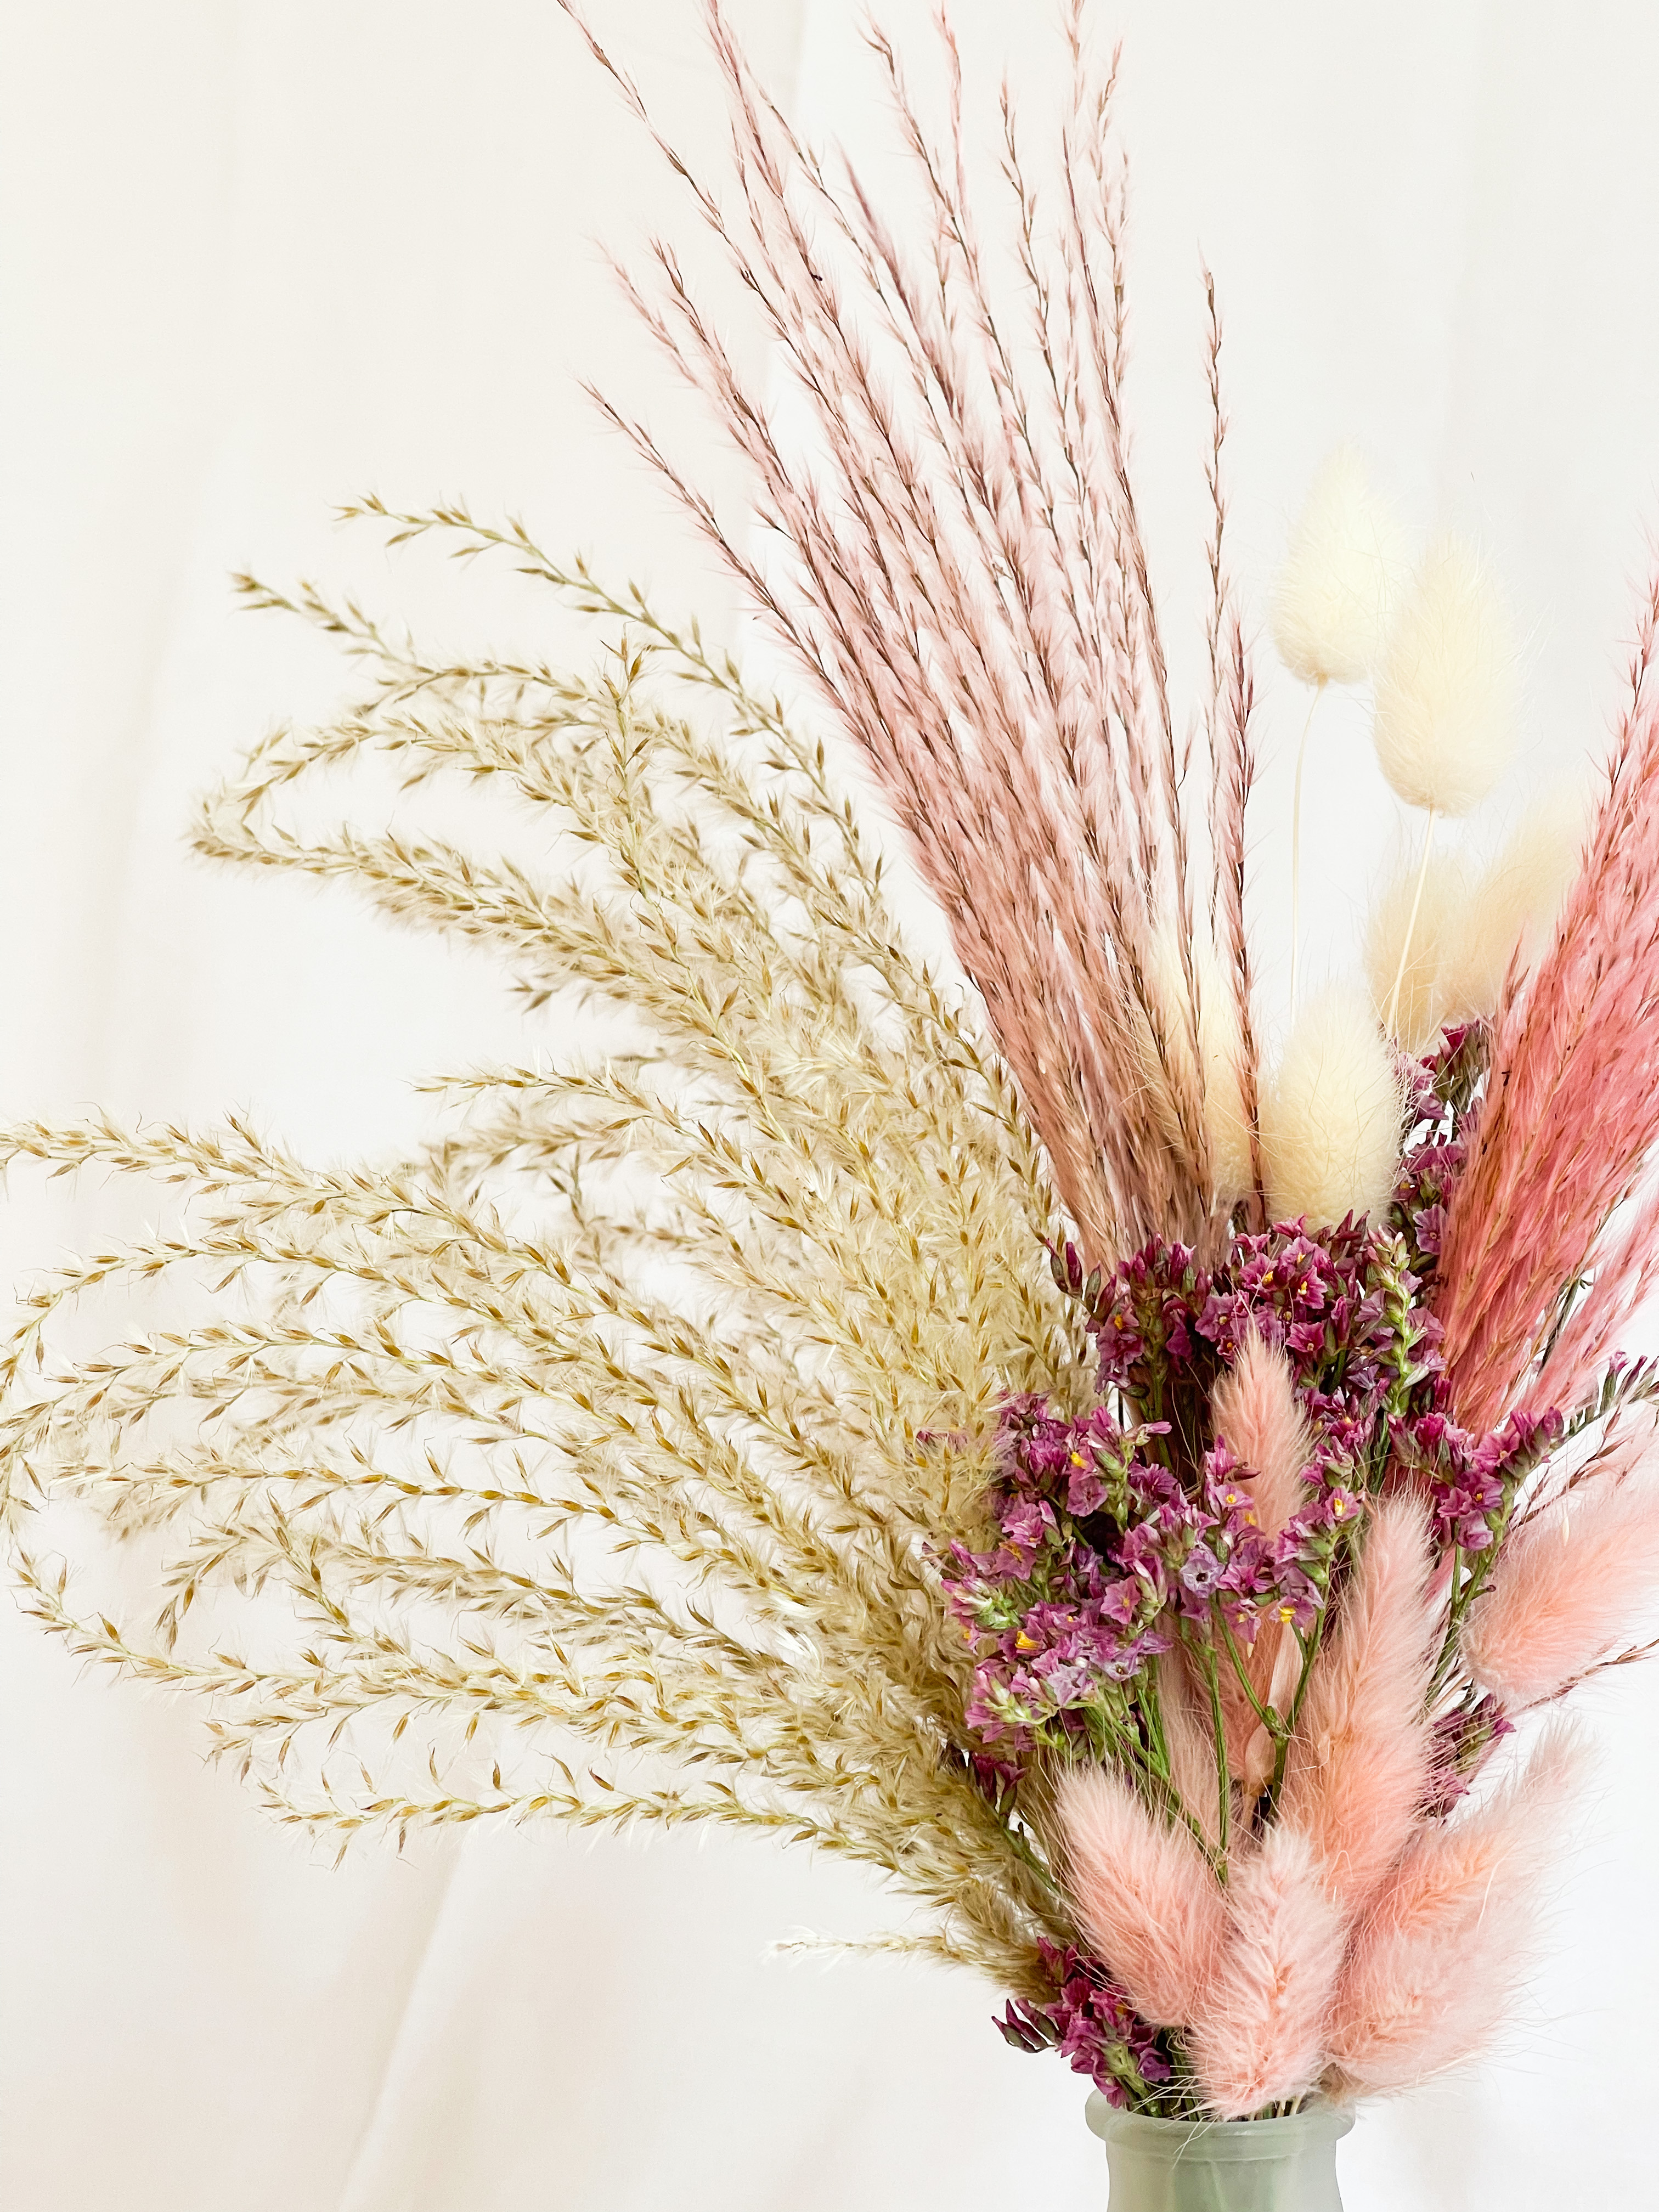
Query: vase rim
{"points": [[1220, 2139]]}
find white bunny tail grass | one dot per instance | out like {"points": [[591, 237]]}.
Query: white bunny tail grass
{"points": [[1330, 1118], [1446, 690], [1513, 909], [1332, 600], [1445, 919]]}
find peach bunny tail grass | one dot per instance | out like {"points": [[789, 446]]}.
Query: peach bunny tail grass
{"points": [[1145, 1892], [1431, 1974], [1257, 2033], [1189, 1733], [1358, 1762], [1257, 1415], [1569, 1586]]}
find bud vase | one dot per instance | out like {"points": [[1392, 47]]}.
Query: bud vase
{"points": [[1224, 2166]]}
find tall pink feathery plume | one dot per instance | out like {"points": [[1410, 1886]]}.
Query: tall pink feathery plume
{"points": [[1570, 1583], [1570, 1119], [964, 582], [1143, 1890], [1256, 1414], [1256, 2029], [1432, 1972], [1359, 1760]]}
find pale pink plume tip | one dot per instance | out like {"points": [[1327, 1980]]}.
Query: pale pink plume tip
{"points": [[1256, 1413], [1359, 1760], [1145, 1892], [1567, 1586], [1431, 1974], [1257, 2030], [1189, 1734]]}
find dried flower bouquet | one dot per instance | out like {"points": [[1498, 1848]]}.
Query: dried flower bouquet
{"points": [[1124, 1486]]}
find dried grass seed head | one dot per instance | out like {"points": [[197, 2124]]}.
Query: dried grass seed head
{"points": [[1330, 1117], [1332, 600], [1446, 917], [1512, 910], [1446, 689]]}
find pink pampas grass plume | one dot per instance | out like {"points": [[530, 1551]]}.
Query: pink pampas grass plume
{"points": [[1257, 2029], [1567, 1586], [1571, 1119], [1431, 1975], [1358, 1762], [1144, 1892]]}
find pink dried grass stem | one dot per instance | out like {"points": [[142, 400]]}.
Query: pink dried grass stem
{"points": [[1571, 1121], [993, 650]]}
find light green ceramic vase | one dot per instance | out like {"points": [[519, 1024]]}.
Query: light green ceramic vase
{"points": [[1232, 2165]]}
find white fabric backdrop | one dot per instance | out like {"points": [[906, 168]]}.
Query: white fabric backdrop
{"points": [[259, 259]]}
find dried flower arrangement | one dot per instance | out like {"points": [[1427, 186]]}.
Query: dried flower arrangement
{"points": [[1124, 1490]]}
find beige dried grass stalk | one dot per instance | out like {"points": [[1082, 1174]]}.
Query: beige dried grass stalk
{"points": [[624, 1426]]}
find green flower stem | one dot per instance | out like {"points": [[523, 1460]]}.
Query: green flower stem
{"points": [[1273, 1720]]}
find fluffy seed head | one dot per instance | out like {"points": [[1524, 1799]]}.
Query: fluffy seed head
{"points": [[1257, 2033], [1430, 1975], [1513, 908], [1446, 689], [1255, 1408], [1331, 601], [1568, 1586], [1143, 1890], [1359, 1760], [1444, 917], [1330, 1118]]}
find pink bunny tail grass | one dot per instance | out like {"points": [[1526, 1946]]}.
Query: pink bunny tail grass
{"points": [[1190, 1733], [1359, 1760], [1431, 1975], [1144, 1892], [1571, 1119], [1256, 1412], [1257, 2030], [1567, 1586]]}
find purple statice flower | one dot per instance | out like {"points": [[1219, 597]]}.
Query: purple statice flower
{"points": [[1091, 2023], [1469, 1482], [1463, 1741]]}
